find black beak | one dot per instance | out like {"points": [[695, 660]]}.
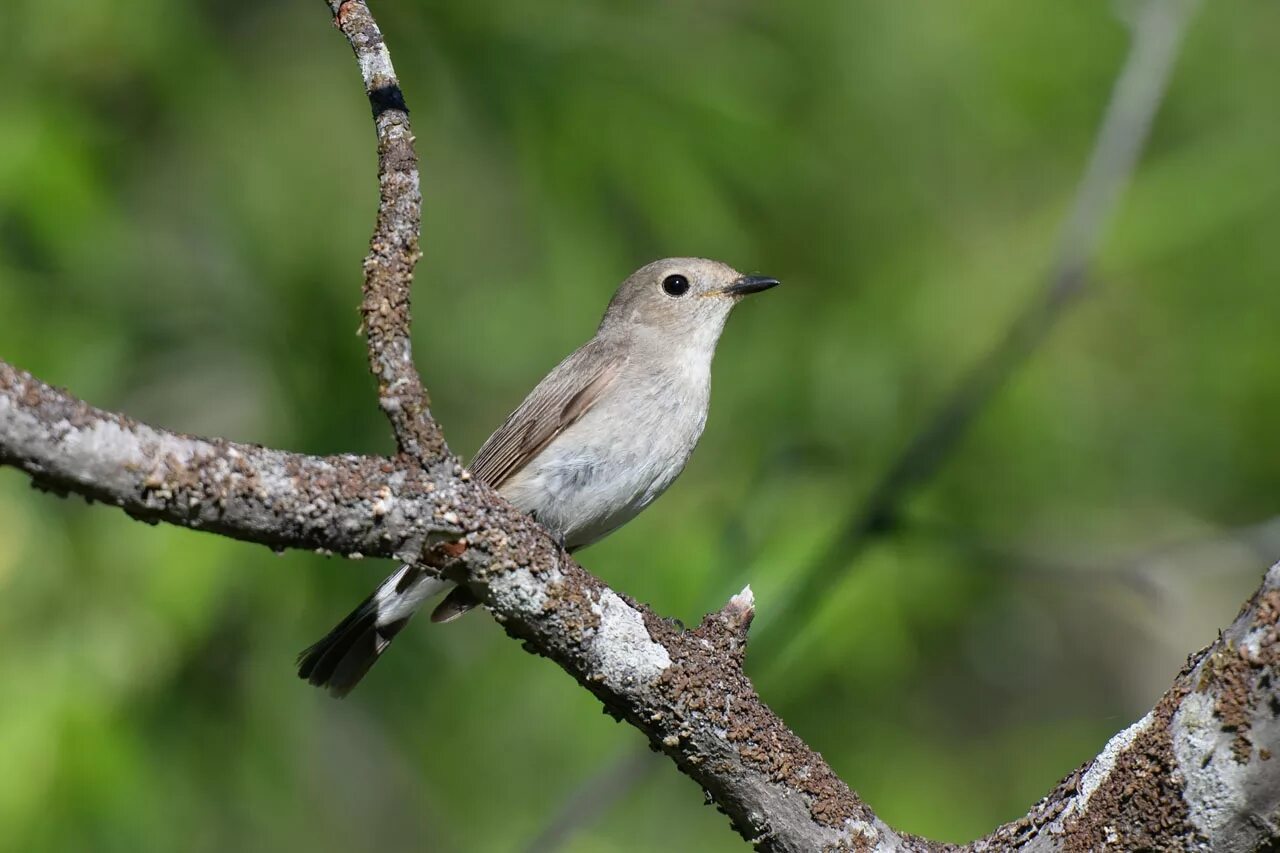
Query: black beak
{"points": [[751, 284]]}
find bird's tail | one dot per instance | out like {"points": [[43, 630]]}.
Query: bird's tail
{"points": [[341, 658]]}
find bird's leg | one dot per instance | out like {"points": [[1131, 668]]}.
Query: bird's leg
{"points": [[562, 547]]}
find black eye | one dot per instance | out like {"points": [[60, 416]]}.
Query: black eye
{"points": [[675, 285]]}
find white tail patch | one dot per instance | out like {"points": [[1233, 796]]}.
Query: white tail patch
{"points": [[394, 606]]}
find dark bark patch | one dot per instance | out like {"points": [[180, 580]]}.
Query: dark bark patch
{"points": [[386, 98], [706, 687], [1243, 675], [1139, 805]]}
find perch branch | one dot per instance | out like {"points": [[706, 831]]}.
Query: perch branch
{"points": [[684, 689], [351, 505]]}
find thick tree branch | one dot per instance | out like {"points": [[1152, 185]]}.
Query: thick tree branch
{"points": [[1201, 771], [393, 249], [351, 505], [1196, 771]]}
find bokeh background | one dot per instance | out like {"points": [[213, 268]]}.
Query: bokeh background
{"points": [[186, 191]]}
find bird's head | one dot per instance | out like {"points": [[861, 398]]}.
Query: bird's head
{"points": [[685, 300]]}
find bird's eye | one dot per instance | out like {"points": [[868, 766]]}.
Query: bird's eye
{"points": [[675, 285]]}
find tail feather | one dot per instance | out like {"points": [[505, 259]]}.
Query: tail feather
{"points": [[342, 657]]}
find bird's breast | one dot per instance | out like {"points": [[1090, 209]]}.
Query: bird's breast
{"points": [[617, 458]]}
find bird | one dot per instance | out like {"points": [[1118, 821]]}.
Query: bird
{"points": [[596, 441]]}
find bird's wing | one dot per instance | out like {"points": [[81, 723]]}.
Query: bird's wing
{"points": [[565, 395]]}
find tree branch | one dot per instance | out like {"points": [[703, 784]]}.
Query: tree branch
{"points": [[1198, 768], [393, 249], [351, 505], [1199, 772]]}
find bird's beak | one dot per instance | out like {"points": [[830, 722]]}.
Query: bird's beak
{"points": [[750, 284]]}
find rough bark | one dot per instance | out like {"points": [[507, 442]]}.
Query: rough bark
{"points": [[1195, 773], [393, 248], [1199, 772]]}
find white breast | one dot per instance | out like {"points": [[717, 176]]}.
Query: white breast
{"points": [[624, 452]]}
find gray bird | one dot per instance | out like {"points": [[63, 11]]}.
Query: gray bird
{"points": [[605, 433]]}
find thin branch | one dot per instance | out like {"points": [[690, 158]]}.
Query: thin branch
{"points": [[393, 249], [1157, 35]]}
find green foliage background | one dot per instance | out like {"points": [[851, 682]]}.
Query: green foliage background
{"points": [[186, 189]]}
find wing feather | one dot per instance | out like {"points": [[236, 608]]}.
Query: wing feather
{"points": [[565, 395]]}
